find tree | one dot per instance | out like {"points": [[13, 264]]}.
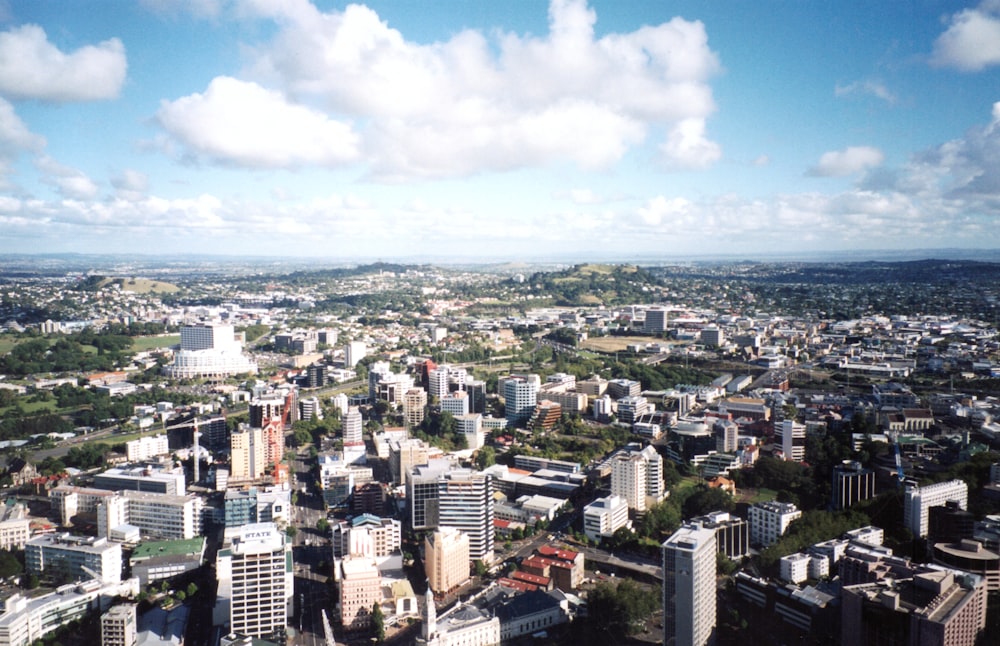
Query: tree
{"points": [[620, 609], [378, 622], [486, 457], [192, 589], [290, 531], [322, 525], [480, 568]]}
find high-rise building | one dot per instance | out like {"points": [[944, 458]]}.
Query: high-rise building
{"points": [[155, 515], [713, 336], [637, 476], [247, 453], [465, 502], [793, 440], [456, 403], [917, 500], [422, 493], [255, 582], [656, 320], [118, 626], [446, 559], [689, 596], [519, 394], [414, 406], [477, 395], [354, 442], [360, 585], [354, 352], [471, 427], [147, 447]]}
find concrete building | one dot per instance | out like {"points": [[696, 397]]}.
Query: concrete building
{"points": [[794, 568], [917, 500], [118, 626], [247, 453], [471, 428], [519, 393], [770, 520], [463, 625], [852, 484], [354, 352], [15, 526], [970, 556], [604, 517], [354, 441], [656, 320], [158, 516], [65, 558], [793, 440], [405, 454], [414, 406], [144, 478], [637, 476], [689, 595], [153, 561], [384, 535], [936, 607], [446, 559], [147, 447], [732, 533], [422, 493], [255, 578], [456, 403], [465, 502], [360, 588], [210, 350]]}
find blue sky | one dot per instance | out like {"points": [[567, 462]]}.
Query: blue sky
{"points": [[458, 129]]}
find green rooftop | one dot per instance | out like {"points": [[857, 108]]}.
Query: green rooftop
{"points": [[182, 547]]}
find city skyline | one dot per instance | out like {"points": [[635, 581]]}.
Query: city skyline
{"points": [[449, 129]]}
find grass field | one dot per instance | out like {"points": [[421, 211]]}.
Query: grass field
{"points": [[141, 343], [7, 343], [142, 285], [31, 408]]}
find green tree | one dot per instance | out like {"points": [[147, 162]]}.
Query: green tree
{"points": [[290, 531], [322, 525], [486, 457], [620, 609], [192, 589], [378, 623], [480, 568]]}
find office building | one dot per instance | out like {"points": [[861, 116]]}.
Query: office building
{"points": [[936, 607], [118, 626], [471, 428], [210, 350], [360, 586], [689, 596], [713, 337], [157, 516], [147, 447], [770, 520], [446, 559], [354, 352], [144, 478], [15, 526], [247, 453], [732, 533], [631, 408], [153, 561], [456, 403], [465, 502], [422, 493], [637, 476], [852, 483], [255, 577], [405, 454], [918, 500], [519, 394], [604, 517], [65, 558], [656, 321], [477, 395], [353, 428]]}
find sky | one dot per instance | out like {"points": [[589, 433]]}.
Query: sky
{"points": [[469, 129]]}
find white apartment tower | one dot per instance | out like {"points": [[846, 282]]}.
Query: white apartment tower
{"points": [[465, 502], [689, 596], [637, 476], [769, 520], [519, 395], [917, 502], [793, 440], [255, 582]]}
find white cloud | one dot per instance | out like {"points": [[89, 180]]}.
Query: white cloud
{"points": [[244, 124], [15, 137], [838, 163], [662, 210], [762, 160], [469, 104], [198, 8], [972, 40], [130, 185], [876, 89], [32, 68], [70, 182]]}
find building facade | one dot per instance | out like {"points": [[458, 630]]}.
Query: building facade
{"points": [[689, 595]]}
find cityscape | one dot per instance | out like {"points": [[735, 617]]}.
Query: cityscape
{"points": [[695, 453], [464, 323]]}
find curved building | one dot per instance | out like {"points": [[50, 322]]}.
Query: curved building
{"points": [[210, 350]]}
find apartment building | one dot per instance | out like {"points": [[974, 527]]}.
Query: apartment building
{"points": [[446, 559]]}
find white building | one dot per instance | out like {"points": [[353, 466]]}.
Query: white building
{"points": [[637, 476], [158, 516], [918, 500], [793, 440], [689, 595], [769, 520], [15, 526], [354, 352], [118, 626], [74, 558], [604, 517], [471, 427], [520, 394], [463, 625], [146, 447], [210, 350], [255, 577], [465, 502], [456, 403], [795, 567]]}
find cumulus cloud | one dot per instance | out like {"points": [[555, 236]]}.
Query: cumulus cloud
{"points": [[33, 68], [972, 40], [470, 103], [244, 124], [839, 163], [130, 184], [69, 182], [876, 89]]}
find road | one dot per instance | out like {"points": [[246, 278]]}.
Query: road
{"points": [[312, 555]]}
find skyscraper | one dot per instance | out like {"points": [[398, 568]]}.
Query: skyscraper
{"points": [[247, 453], [519, 395], [689, 597], [255, 582], [465, 502]]}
